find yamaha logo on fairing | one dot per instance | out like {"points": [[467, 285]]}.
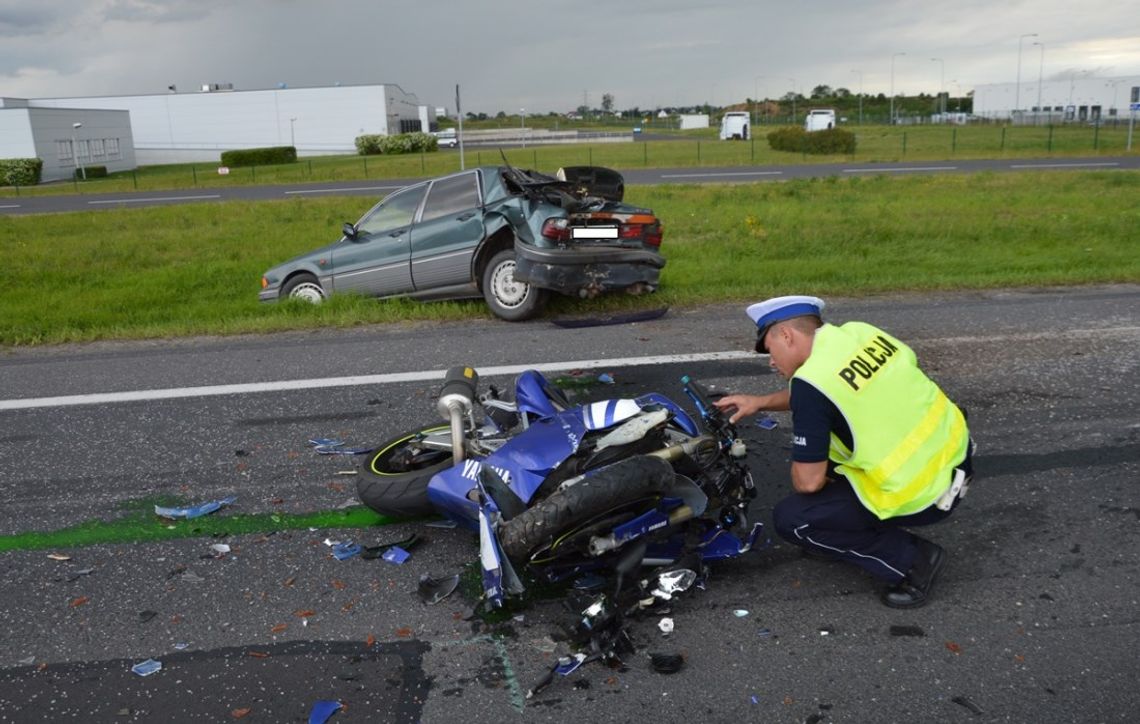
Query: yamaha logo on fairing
{"points": [[471, 470]]}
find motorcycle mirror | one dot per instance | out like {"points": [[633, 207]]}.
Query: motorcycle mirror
{"points": [[434, 590]]}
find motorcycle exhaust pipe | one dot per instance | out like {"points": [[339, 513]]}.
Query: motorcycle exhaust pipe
{"points": [[703, 444], [456, 401]]}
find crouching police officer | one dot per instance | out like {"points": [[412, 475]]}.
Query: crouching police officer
{"points": [[877, 446]]}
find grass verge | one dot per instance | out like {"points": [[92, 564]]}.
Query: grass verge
{"points": [[194, 269]]}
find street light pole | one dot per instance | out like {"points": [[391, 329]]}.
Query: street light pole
{"points": [[860, 95], [292, 136], [1040, 73], [75, 150], [1017, 94], [941, 88], [793, 80], [891, 120]]}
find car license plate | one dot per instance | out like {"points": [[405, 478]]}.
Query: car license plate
{"points": [[594, 232]]}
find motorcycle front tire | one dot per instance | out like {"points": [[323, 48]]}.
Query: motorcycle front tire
{"points": [[393, 490], [561, 512]]}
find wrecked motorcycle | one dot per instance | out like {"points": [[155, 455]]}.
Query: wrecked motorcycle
{"points": [[565, 489]]}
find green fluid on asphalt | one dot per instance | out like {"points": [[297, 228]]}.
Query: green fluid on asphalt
{"points": [[141, 525]]}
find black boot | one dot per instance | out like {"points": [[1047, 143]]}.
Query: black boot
{"points": [[913, 591]]}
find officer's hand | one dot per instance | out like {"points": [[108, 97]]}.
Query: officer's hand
{"points": [[739, 406]]}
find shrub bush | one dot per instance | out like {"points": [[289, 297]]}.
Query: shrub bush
{"points": [[373, 144], [259, 156], [797, 140], [92, 172], [20, 171]]}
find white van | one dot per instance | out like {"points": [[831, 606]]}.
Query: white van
{"points": [[820, 119], [734, 126]]}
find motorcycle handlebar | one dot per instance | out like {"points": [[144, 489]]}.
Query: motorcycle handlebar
{"points": [[711, 414]]}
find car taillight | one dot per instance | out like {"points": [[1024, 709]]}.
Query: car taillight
{"points": [[653, 233], [630, 231], [556, 229]]}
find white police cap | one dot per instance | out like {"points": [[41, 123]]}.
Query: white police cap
{"points": [[770, 311]]}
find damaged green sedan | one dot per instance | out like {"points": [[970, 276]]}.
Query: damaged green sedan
{"points": [[507, 235]]}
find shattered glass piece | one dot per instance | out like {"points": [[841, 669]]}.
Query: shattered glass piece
{"points": [[28, 661], [740, 613], [180, 646], [325, 442], [666, 626], [194, 511], [146, 668], [396, 555], [755, 699], [434, 590], [589, 582], [76, 575], [192, 577], [322, 710], [667, 663], [765, 422], [344, 551], [337, 450]]}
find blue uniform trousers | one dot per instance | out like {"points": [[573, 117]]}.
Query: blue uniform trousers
{"points": [[833, 523]]}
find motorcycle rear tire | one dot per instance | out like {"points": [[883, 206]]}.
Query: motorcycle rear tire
{"points": [[621, 483], [393, 492]]}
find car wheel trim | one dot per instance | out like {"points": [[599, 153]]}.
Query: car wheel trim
{"points": [[308, 291], [508, 292]]}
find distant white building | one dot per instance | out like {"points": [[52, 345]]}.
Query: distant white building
{"points": [[66, 139], [1077, 99], [197, 126]]}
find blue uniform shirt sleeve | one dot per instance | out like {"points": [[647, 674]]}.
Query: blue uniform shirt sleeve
{"points": [[814, 417]]}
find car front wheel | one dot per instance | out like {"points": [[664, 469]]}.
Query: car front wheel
{"points": [[304, 287], [507, 297]]}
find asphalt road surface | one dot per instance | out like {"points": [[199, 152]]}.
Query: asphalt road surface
{"points": [[381, 187], [1034, 618]]}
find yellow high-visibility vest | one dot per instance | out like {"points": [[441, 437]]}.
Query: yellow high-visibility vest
{"points": [[907, 437]]}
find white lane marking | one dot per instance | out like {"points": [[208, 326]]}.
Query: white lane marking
{"points": [[898, 169], [727, 173], [10, 206], [165, 198], [333, 191], [1063, 165], [285, 385]]}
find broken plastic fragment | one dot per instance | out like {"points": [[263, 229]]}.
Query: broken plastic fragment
{"points": [[740, 613], [569, 664], [764, 633], [328, 450], [434, 590], [146, 668], [322, 710], [194, 511], [589, 582], [396, 555], [180, 646], [220, 549], [671, 583], [59, 557], [963, 701], [755, 699], [344, 551], [666, 626], [605, 378], [325, 442], [766, 423], [28, 661], [667, 663], [145, 616], [446, 523]]}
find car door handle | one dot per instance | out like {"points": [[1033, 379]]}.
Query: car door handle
{"points": [[397, 234], [466, 216]]}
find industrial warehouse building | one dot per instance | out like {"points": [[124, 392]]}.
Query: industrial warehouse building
{"points": [[66, 139], [1074, 100], [187, 127]]}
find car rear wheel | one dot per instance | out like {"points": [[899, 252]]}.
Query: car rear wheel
{"points": [[507, 297], [304, 287]]}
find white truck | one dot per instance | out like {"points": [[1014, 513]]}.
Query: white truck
{"points": [[734, 126], [819, 119]]}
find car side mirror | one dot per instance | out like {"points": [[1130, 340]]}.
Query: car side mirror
{"points": [[349, 231]]}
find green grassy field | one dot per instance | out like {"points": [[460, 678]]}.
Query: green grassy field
{"points": [[875, 144], [195, 269]]}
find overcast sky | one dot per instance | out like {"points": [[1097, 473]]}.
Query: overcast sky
{"points": [[544, 55]]}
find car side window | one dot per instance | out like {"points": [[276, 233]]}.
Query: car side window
{"points": [[396, 212], [451, 196]]}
